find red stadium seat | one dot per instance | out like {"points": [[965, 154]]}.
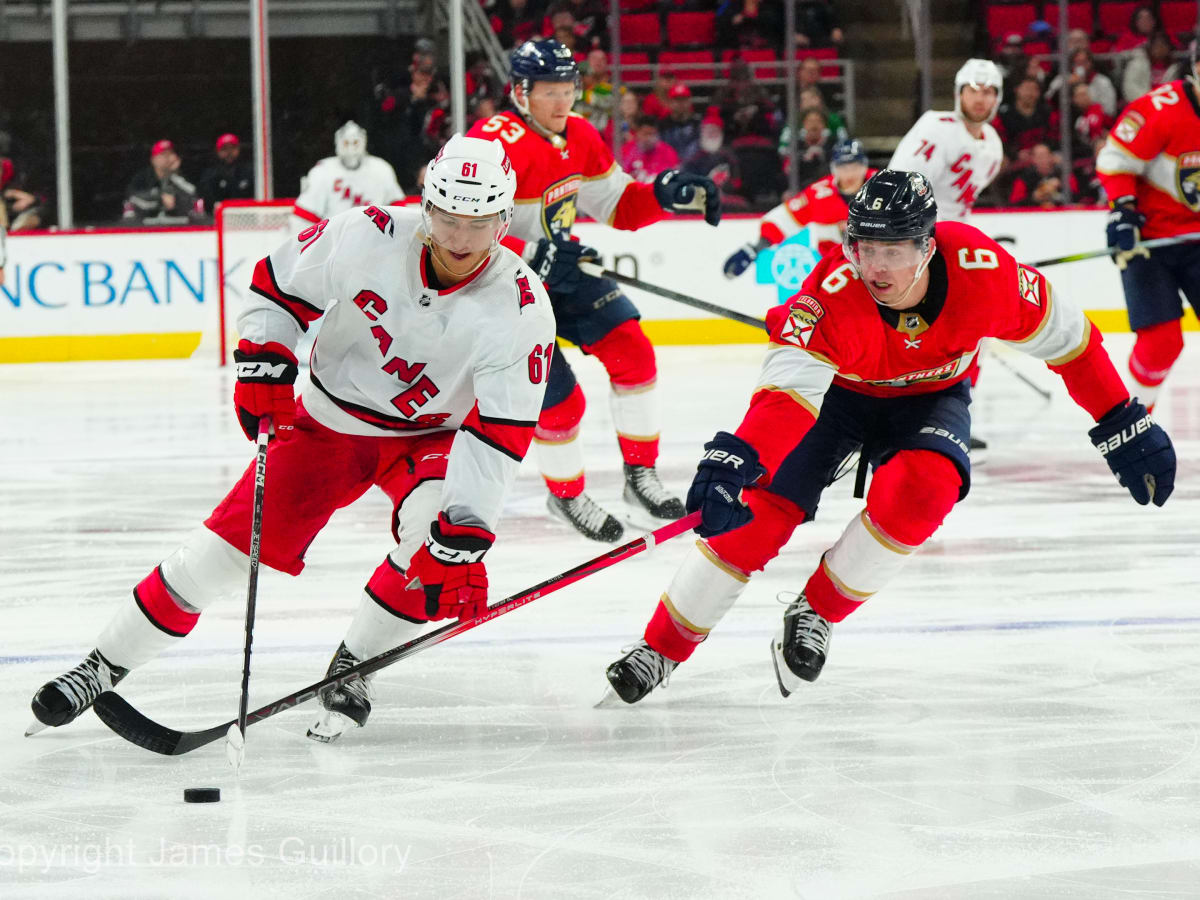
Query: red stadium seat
{"points": [[1178, 16], [691, 29], [1113, 18], [672, 59], [822, 53], [628, 6], [752, 57], [641, 30], [639, 75], [1038, 48], [1003, 18], [1079, 15]]}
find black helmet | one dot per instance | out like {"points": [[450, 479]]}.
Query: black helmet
{"points": [[893, 206]]}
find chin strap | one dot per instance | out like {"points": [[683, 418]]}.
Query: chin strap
{"points": [[434, 251], [557, 141]]}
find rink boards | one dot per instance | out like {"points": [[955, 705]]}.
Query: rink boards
{"points": [[121, 294]]}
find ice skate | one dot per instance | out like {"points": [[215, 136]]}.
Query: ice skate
{"points": [[344, 707], [637, 673], [68, 696], [587, 516], [978, 450], [645, 494], [800, 646]]}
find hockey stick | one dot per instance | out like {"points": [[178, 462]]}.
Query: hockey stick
{"points": [[235, 743], [595, 269], [1109, 251], [115, 712], [1040, 391]]}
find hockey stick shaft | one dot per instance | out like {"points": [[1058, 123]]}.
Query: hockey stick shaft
{"points": [[260, 489], [1040, 391], [1110, 251], [119, 715], [590, 268]]}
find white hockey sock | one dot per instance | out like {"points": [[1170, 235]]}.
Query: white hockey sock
{"points": [[375, 629], [204, 569], [864, 559], [635, 411], [560, 460], [131, 640]]}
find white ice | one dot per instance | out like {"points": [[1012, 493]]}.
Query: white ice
{"points": [[1014, 717]]}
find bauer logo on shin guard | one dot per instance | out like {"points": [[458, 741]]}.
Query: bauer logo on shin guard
{"points": [[724, 457], [1141, 426]]}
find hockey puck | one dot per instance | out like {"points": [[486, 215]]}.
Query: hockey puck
{"points": [[201, 795]]}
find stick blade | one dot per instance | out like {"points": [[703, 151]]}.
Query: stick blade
{"points": [[116, 712]]}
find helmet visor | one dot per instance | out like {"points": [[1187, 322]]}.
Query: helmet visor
{"points": [[885, 261], [463, 234]]}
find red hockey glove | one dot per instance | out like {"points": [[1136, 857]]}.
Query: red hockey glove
{"points": [[266, 379], [448, 569]]}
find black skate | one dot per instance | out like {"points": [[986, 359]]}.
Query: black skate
{"points": [[68, 696], [588, 517], [977, 450], [345, 706], [638, 672], [800, 646], [646, 494]]}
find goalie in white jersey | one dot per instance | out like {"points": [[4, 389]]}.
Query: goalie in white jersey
{"points": [[427, 379], [351, 178], [959, 152]]}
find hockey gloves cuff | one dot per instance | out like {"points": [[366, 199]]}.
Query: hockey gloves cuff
{"points": [[740, 261], [1138, 451], [266, 379], [448, 569], [678, 191], [1124, 231], [557, 263], [728, 465]]}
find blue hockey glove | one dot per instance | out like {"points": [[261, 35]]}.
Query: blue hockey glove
{"points": [[727, 466], [557, 263], [678, 191], [1138, 451], [739, 262], [1124, 231]]}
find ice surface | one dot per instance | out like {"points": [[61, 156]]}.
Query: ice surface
{"points": [[1015, 717]]}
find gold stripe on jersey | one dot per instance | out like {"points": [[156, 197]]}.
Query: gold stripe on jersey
{"points": [[884, 541], [841, 585], [1048, 308], [1078, 351], [638, 437], [603, 174], [725, 567], [791, 393], [680, 617]]}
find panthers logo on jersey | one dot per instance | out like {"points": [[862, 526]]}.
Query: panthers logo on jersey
{"points": [[558, 207], [1187, 172]]}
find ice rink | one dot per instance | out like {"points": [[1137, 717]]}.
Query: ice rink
{"points": [[1015, 717]]}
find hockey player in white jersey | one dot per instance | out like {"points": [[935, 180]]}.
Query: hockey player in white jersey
{"points": [[351, 178], [427, 379], [959, 152]]}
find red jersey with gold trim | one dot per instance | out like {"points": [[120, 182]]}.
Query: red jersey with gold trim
{"points": [[554, 185], [819, 207], [833, 330], [1153, 154]]}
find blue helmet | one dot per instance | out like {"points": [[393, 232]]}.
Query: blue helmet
{"points": [[846, 152], [545, 60]]}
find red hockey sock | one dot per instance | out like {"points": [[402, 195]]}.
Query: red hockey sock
{"points": [[670, 636], [161, 608], [1155, 351]]}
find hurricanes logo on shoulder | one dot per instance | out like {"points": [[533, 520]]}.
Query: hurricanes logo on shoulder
{"points": [[1188, 175], [526, 292]]}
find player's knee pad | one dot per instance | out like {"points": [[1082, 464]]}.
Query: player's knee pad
{"points": [[562, 419], [1155, 351], [911, 495], [627, 355], [203, 569], [752, 546]]}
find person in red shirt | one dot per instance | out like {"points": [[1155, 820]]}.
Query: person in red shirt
{"points": [[1149, 167], [647, 154], [873, 355]]}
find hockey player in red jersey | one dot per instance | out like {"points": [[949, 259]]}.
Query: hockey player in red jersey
{"points": [[820, 207], [563, 167], [874, 353], [426, 379], [1150, 170]]}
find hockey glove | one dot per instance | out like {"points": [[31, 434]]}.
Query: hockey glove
{"points": [[727, 466], [678, 191], [448, 570], [1124, 231], [746, 254], [1138, 451], [266, 379], [557, 263]]}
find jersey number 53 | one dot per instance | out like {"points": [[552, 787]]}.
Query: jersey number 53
{"points": [[508, 130]]}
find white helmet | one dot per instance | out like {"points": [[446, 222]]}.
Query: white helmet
{"points": [[470, 177], [978, 73], [350, 144]]}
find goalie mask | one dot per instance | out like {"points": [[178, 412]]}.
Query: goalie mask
{"points": [[889, 233], [350, 144], [979, 74], [467, 201]]}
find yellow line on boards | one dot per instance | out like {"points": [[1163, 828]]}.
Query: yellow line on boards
{"points": [[80, 347]]}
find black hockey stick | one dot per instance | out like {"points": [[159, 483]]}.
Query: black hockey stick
{"points": [[595, 269], [1033, 386], [1110, 251], [235, 747], [115, 712]]}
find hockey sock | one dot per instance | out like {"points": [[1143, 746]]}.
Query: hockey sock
{"points": [[1154, 352], [910, 497], [628, 357], [559, 453]]}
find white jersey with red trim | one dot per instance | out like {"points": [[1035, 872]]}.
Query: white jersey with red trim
{"points": [[958, 165], [330, 188], [819, 207], [398, 356]]}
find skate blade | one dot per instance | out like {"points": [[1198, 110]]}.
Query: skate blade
{"points": [[784, 677], [329, 727], [610, 700], [634, 515], [34, 727]]}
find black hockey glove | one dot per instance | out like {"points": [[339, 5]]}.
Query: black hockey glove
{"points": [[1124, 231], [740, 261], [727, 466], [1138, 451], [557, 263], [678, 191]]}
